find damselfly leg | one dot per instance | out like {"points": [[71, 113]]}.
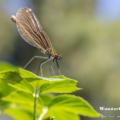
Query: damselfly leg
{"points": [[34, 58], [43, 64], [51, 69], [58, 67]]}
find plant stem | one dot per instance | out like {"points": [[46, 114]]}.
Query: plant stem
{"points": [[36, 95]]}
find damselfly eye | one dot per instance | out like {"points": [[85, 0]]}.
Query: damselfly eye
{"points": [[59, 57]]}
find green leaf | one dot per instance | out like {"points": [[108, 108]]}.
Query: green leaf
{"points": [[62, 114], [46, 98], [24, 86], [18, 114], [61, 107], [5, 89], [64, 104], [35, 80], [12, 77], [27, 81], [61, 86], [58, 84], [24, 100]]}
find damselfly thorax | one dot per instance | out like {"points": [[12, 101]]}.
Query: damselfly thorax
{"points": [[32, 32], [51, 53]]}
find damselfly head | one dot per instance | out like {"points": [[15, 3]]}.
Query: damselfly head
{"points": [[59, 57]]}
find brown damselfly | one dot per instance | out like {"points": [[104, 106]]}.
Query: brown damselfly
{"points": [[32, 32]]}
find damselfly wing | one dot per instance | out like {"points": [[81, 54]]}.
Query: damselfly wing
{"points": [[32, 32]]}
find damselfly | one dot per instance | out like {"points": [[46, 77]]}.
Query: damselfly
{"points": [[32, 32]]}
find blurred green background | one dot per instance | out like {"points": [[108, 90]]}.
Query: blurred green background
{"points": [[84, 32]]}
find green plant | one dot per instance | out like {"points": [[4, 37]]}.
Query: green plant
{"points": [[27, 96]]}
